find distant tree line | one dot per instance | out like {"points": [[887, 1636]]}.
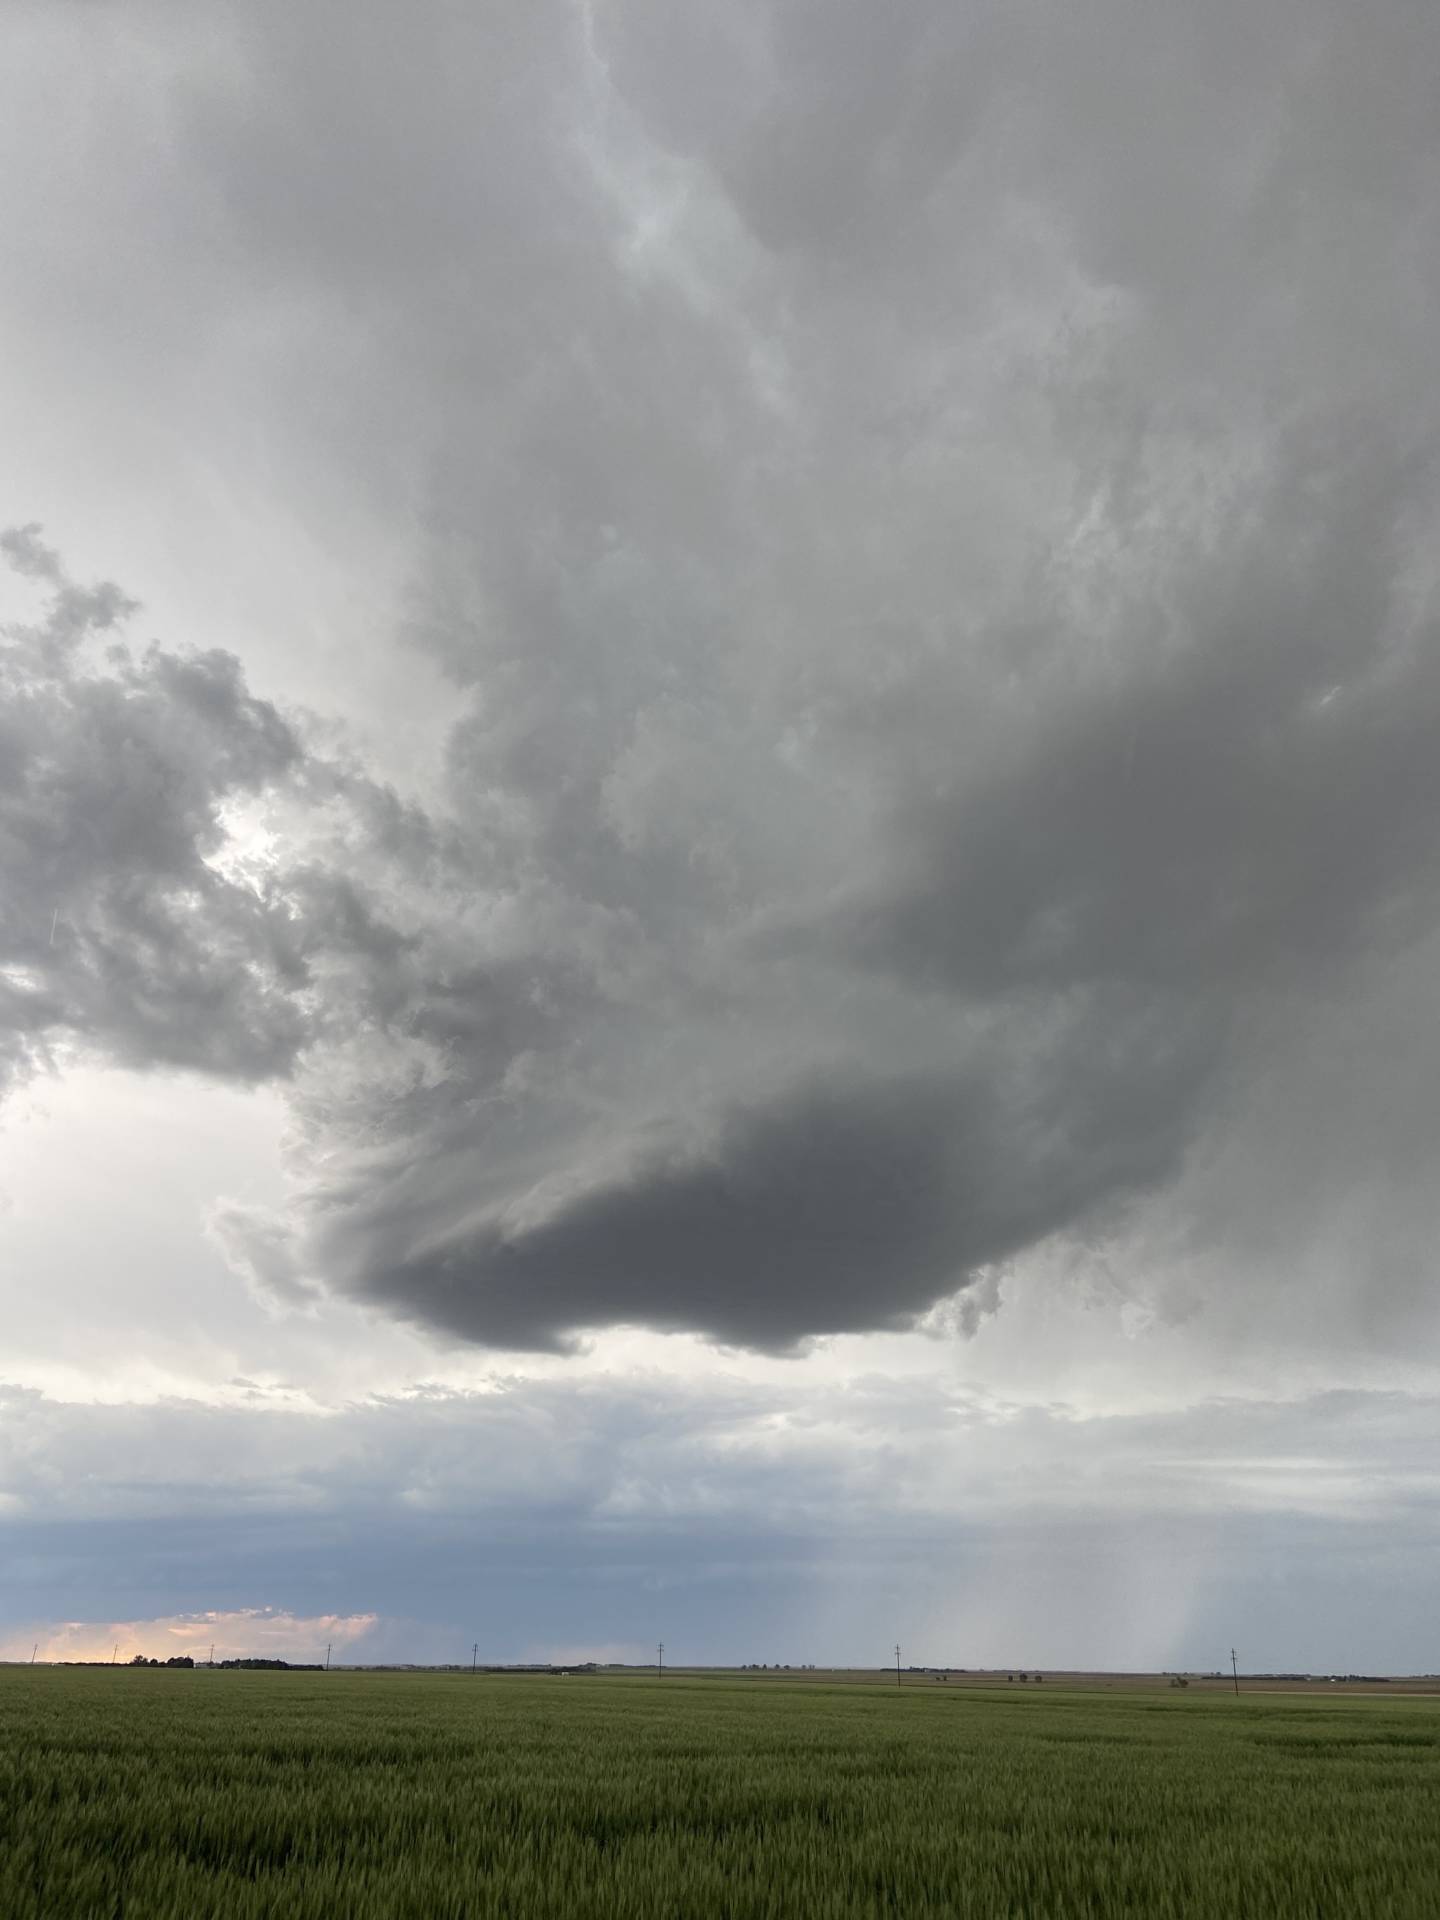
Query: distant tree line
{"points": [[274, 1666], [185, 1660]]}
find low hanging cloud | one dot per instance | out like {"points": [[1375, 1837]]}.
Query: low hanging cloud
{"points": [[837, 1206], [931, 537]]}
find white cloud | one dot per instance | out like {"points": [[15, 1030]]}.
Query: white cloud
{"points": [[239, 1633]]}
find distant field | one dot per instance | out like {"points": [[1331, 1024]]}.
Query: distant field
{"points": [[189, 1794], [1354, 1684]]}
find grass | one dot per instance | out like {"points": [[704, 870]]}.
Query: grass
{"points": [[179, 1795]]}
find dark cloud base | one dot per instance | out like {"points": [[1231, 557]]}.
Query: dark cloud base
{"points": [[837, 1208]]}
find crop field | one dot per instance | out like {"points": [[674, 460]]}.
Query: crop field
{"points": [[190, 1794]]}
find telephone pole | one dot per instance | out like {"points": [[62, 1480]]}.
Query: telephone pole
{"points": [[34, 1651], [328, 1645], [1236, 1672], [660, 1661], [897, 1663], [212, 1653], [474, 1655]]}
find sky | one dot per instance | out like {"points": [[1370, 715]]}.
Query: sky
{"points": [[719, 879]]}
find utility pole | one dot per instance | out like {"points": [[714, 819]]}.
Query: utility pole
{"points": [[1236, 1671], [34, 1652], [114, 1652], [212, 1653], [660, 1661], [897, 1663], [328, 1645], [474, 1655]]}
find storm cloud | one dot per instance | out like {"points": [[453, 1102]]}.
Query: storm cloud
{"points": [[117, 930], [838, 1208], [928, 527]]}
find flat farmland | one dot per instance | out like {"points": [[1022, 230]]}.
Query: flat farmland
{"points": [[182, 1794]]}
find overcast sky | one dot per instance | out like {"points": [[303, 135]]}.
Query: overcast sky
{"points": [[720, 830]]}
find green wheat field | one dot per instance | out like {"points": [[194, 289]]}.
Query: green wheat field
{"points": [[188, 1794]]}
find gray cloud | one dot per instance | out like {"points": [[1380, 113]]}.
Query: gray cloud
{"points": [[135, 923], [747, 1522], [117, 931], [1252, 804], [931, 534], [835, 1207]]}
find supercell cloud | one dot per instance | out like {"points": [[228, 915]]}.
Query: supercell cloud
{"points": [[928, 526]]}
